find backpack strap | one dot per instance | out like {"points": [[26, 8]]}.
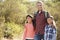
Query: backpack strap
{"points": [[46, 14]]}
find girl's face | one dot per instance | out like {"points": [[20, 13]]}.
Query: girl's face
{"points": [[50, 21], [29, 19]]}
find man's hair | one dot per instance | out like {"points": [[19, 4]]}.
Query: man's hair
{"points": [[40, 2]]}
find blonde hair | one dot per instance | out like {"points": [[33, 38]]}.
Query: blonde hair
{"points": [[40, 2]]}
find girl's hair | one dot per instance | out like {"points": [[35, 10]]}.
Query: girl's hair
{"points": [[53, 23], [51, 18], [32, 21], [28, 16]]}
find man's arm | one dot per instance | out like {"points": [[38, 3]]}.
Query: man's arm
{"points": [[34, 20]]}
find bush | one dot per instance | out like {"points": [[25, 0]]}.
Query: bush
{"points": [[13, 29]]}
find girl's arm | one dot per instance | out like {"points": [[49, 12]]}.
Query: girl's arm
{"points": [[45, 33], [54, 34], [25, 30]]}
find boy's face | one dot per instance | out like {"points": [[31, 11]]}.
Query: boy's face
{"points": [[49, 20]]}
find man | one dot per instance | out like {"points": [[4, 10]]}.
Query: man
{"points": [[40, 21]]}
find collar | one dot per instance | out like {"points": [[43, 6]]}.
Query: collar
{"points": [[39, 11]]}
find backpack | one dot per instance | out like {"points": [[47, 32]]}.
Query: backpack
{"points": [[45, 13]]}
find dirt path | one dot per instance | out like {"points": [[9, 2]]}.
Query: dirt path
{"points": [[15, 38]]}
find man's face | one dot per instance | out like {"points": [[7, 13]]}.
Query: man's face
{"points": [[39, 6]]}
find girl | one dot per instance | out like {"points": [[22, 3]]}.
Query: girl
{"points": [[50, 30], [29, 29]]}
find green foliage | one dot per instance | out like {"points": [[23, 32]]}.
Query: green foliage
{"points": [[13, 29], [2, 20], [13, 14]]}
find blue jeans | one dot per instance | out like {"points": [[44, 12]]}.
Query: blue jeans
{"points": [[29, 39], [38, 37]]}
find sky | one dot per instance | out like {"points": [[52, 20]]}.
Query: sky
{"points": [[33, 0], [2, 0], [36, 0]]}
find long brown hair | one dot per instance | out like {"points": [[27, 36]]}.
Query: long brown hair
{"points": [[32, 20], [28, 16], [53, 23]]}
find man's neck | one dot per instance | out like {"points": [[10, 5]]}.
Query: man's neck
{"points": [[40, 11]]}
